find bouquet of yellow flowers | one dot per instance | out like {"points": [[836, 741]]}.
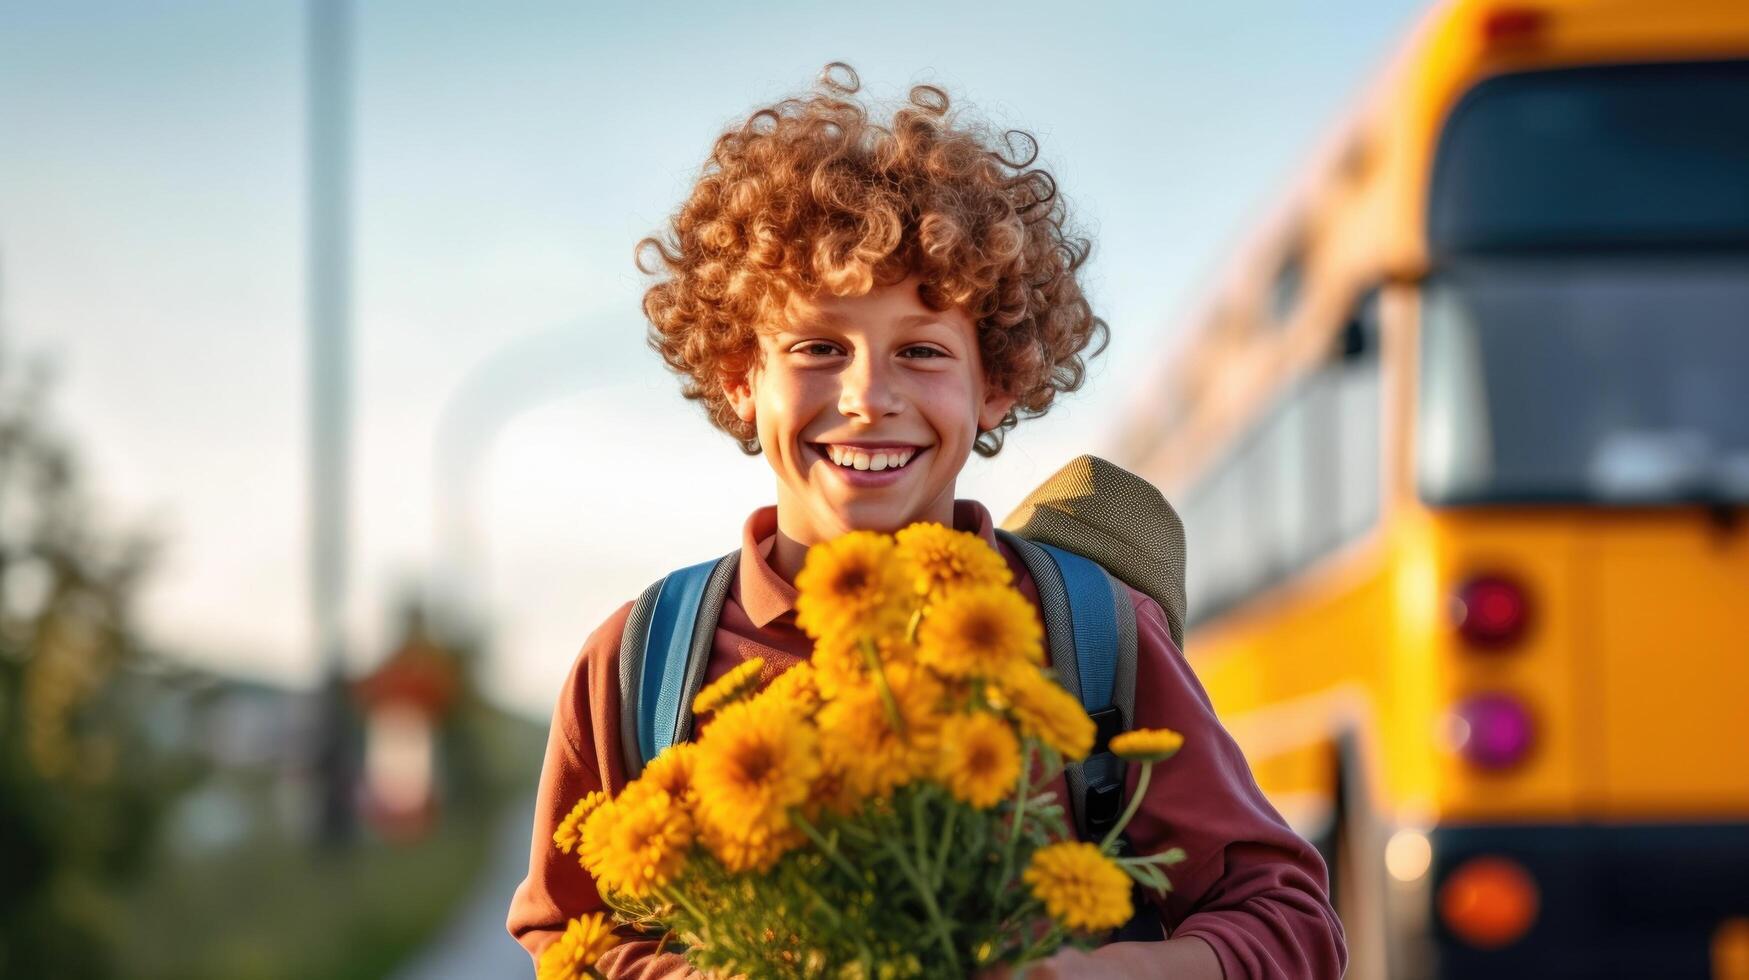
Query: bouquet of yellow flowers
{"points": [[880, 811]]}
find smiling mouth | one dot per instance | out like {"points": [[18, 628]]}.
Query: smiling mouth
{"points": [[851, 458]]}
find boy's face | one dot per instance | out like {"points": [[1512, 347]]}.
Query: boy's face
{"points": [[848, 384]]}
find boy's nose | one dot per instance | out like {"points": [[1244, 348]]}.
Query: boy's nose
{"points": [[867, 391]]}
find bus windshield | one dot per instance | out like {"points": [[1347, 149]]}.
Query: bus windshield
{"points": [[1607, 379], [1612, 156]]}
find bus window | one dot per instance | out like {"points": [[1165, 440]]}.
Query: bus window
{"points": [[1286, 520], [1357, 421], [1641, 155], [1589, 378], [1284, 290], [1323, 475]]}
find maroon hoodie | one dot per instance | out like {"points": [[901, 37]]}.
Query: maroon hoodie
{"points": [[1250, 887]]}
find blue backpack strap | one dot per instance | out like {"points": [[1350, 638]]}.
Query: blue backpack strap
{"points": [[1090, 626], [1093, 619], [667, 647], [1094, 624], [663, 653], [1102, 623]]}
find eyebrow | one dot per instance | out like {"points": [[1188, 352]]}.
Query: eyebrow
{"points": [[831, 319]]}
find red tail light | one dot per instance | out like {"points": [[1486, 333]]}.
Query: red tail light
{"points": [[1514, 25], [1491, 611]]}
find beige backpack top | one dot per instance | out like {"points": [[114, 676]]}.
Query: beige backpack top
{"points": [[1102, 511]]}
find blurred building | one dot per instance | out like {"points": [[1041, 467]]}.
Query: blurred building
{"points": [[405, 702]]}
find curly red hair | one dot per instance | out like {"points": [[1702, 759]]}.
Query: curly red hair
{"points": [[808, 195]]}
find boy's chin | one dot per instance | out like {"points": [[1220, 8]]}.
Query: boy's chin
{"points": [[886, 516]]}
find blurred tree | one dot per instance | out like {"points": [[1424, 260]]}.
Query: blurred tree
{"points": [[80, 789]]}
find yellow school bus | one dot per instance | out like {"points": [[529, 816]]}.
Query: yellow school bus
{"points": [[1461, 443]]}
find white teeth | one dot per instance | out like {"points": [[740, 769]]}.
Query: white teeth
{"points": [[889, 459]]}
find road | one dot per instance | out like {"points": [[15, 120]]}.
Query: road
{"points": [[474, 944]]}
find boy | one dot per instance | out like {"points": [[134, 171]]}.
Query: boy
{"points": [[867, 306]]}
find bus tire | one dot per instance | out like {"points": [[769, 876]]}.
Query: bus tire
{"points": [[1354, 857]]}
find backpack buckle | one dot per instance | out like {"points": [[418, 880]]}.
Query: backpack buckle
{"points": [[1108, 722], [1103, 805]]}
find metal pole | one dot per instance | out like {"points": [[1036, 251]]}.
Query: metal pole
{"points": [[329, 265]]}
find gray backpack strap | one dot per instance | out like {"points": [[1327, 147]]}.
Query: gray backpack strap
{"points": [[1095, 785], [631, 673], [636, 700]]}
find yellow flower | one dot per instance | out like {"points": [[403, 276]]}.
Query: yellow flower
{"points": [[749, 848], [1044, 710], [1147, 744], [571, 955], [943, 559], [732, 686], [980, 758], [840, 664], [1081, 887], [797, 687], [980, 631], [570, 830], [832, 791], [859, 736], [672, 772], [636, 842], [755, 761], [853, 585]]}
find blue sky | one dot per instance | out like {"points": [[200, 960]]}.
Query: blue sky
{"points": [[508, 158]]}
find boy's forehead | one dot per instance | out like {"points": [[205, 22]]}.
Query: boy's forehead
{"points": [[821, 307], [899, 304]]}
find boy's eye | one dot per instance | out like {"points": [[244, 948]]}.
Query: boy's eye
{"points": [[821, 348]]}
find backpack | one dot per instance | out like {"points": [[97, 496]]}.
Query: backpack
{"points": [[1086, 530]]}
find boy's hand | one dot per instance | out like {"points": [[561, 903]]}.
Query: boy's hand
{"points": [[1188, 958], [1067, 963]]}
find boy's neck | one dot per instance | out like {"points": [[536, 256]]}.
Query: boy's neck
{"points": [[789, 551], [787, 555]]}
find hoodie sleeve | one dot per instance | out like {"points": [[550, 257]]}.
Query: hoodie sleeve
{"points": [[1250, 887], [582, 755]]}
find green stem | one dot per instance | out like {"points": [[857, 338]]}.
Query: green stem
{"points": [[1051, 940], [704, 925], [917, 835], [860, 833], [826, 847], [928, 896], [1129, 811], [820, 900], [873, 661], [946, 839], [1025, 790], [911, 629], [1165, 859], [815, 897]]}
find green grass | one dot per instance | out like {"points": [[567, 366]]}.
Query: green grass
{"points": [[271, 910], [276, 907]]}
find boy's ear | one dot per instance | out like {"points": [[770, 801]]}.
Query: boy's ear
{"points": [[740, 394], [994, 409]]}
